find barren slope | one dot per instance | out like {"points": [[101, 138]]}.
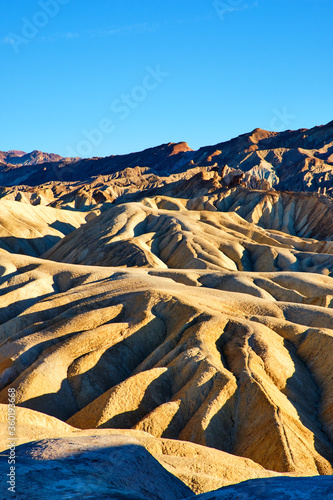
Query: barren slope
{"points": [[225, 360], [158, 299], [163, 233], [201, 468], [32, 230]]}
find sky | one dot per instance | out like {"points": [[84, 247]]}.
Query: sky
{"points": [[96, 78]]}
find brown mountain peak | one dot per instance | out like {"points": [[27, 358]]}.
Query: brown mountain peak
{"points": [[179, 147]]}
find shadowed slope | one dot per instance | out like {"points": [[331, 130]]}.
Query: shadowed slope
{"points": [[113, 467], [276, 489], [199, 467]]}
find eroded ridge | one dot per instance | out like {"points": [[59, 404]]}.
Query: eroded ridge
{"points": [[238, 361]]}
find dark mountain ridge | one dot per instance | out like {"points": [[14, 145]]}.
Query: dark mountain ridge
{"points": [[293, 160]]}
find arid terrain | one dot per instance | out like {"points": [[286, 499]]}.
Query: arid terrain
{"points": [[166, 319]]}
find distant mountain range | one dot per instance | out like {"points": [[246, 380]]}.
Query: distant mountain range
{"points": [[300, 160], [20, 158]]}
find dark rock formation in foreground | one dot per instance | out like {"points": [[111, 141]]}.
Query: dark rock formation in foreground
{"points": [[113, 467], [119, 468], [284, 488]]}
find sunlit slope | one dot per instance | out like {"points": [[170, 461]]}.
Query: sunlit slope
{"points": [[238, 361], [194, 234], [31, 230]]}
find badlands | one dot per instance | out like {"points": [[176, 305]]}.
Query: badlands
{"points": [[166, 321]]}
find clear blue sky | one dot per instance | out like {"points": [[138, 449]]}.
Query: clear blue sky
{"points": [[109, 77]]}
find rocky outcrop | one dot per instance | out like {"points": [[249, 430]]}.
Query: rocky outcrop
{"points": [[277, 489], [113, 467]]}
